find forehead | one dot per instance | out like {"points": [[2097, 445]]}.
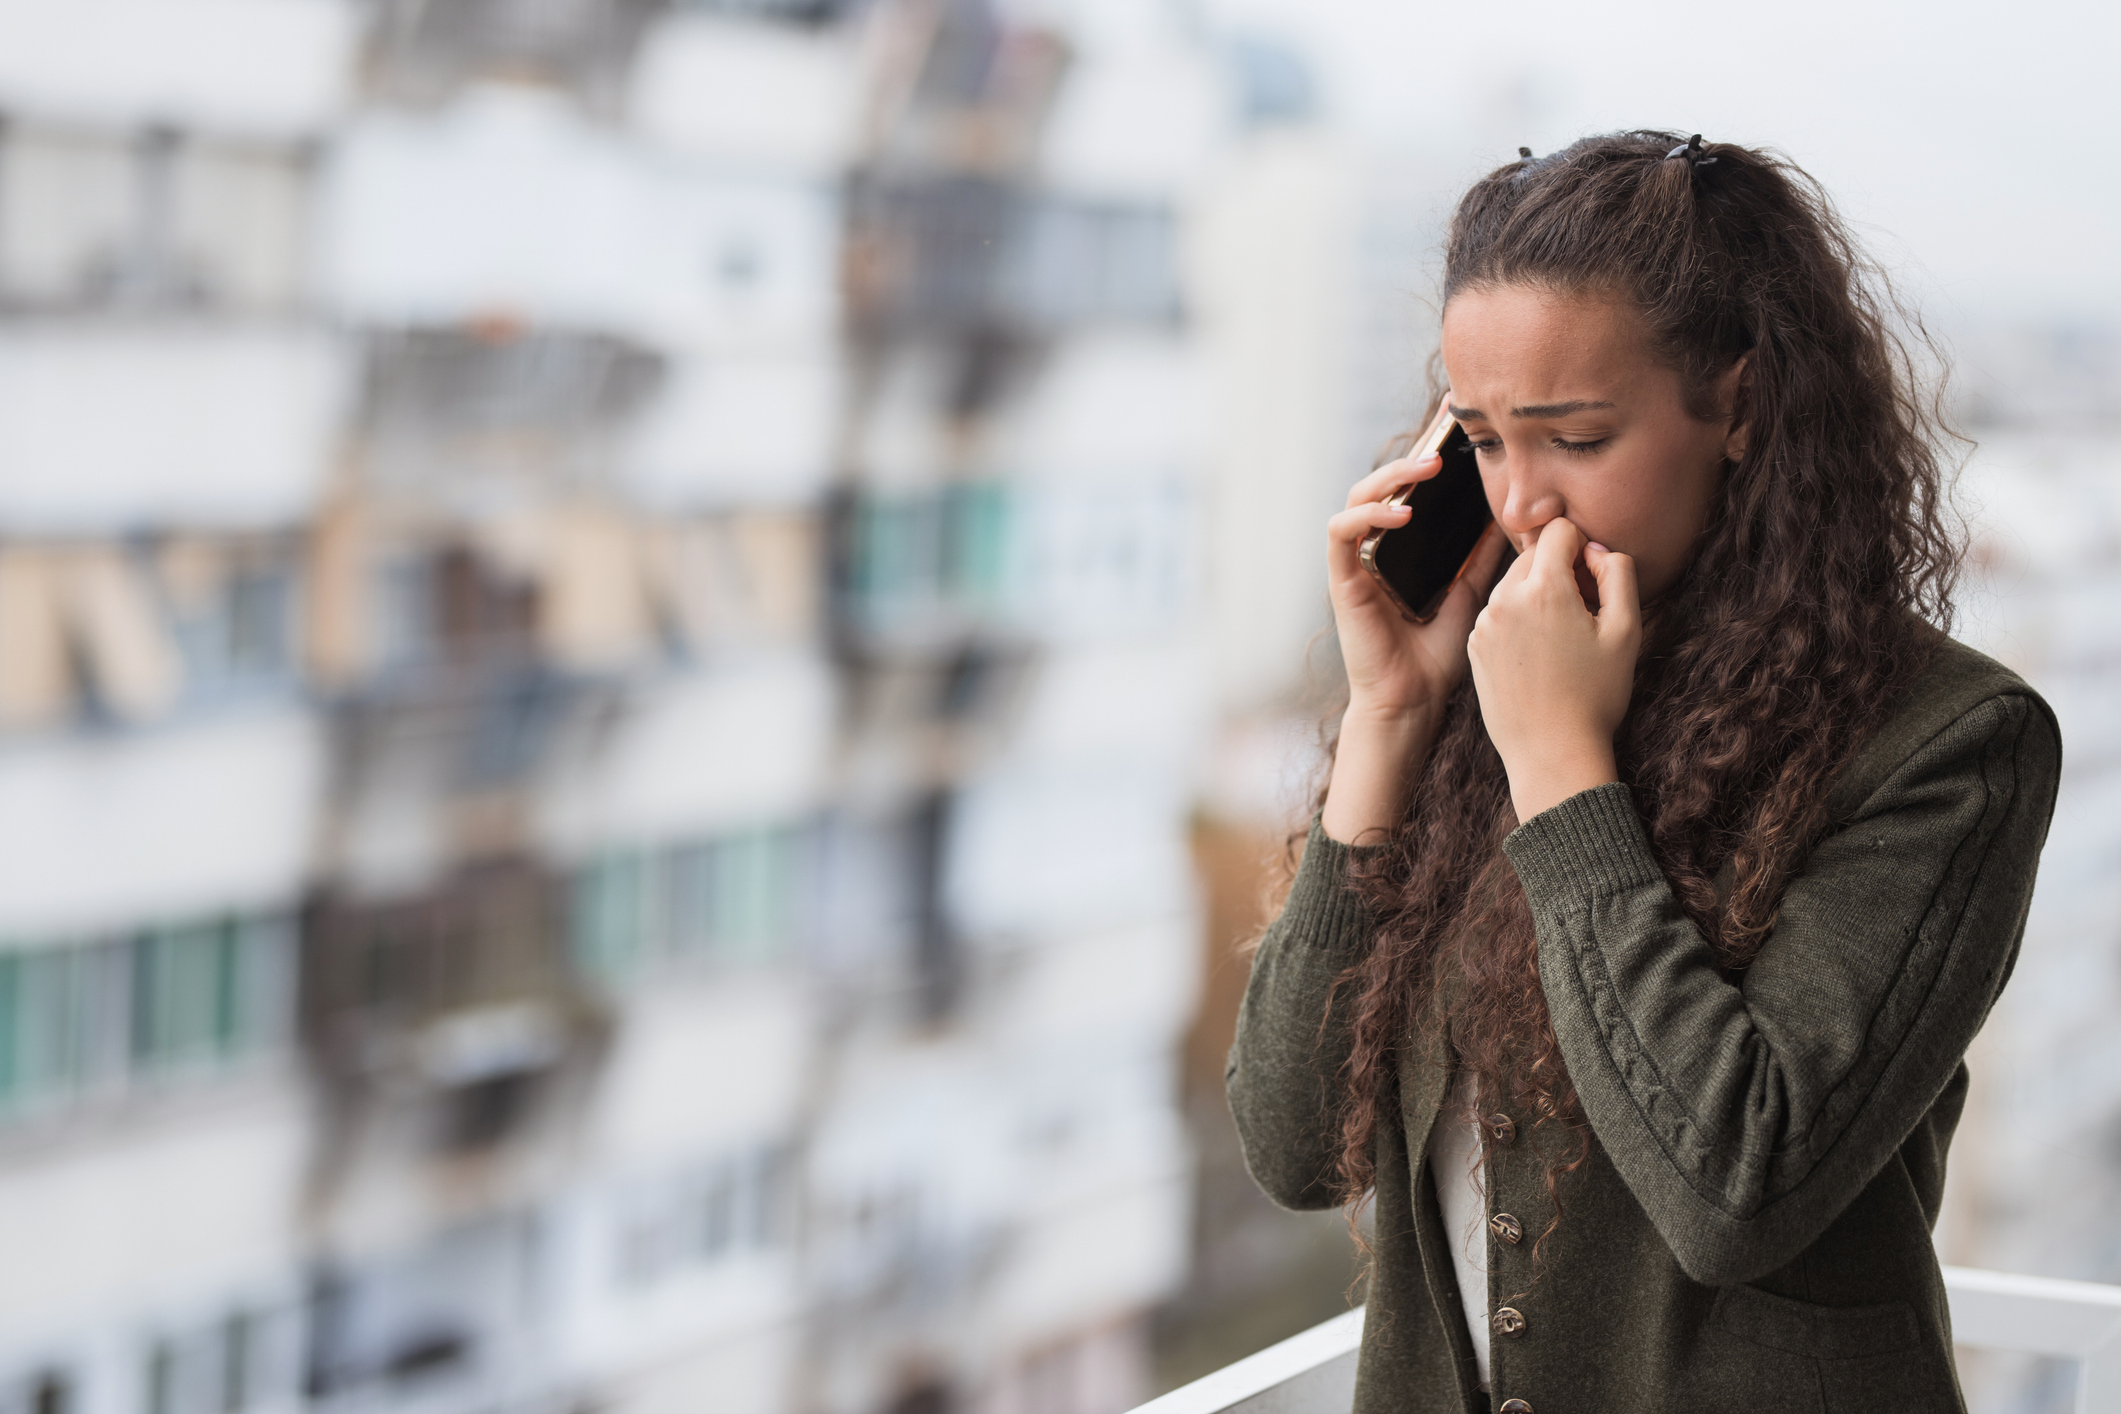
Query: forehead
{"points": [[1534, 345]]}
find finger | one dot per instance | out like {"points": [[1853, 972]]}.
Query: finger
{"points": [[1346, 530], [1520, 569], [1560, 542], [1393, 474], [1353, 524], [1619, 606]]}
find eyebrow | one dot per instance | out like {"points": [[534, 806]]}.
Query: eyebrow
{"points": [[1535, 410]]}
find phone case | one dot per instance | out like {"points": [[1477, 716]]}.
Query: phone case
{"points": [[1431, 441]]}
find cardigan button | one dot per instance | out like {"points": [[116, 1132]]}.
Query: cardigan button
{"points": [[1507, 1228], [1507, 1320], [1501, 1128], [1515, 1406]]}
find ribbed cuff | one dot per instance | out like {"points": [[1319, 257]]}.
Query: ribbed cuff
{"points": [[1590, 844], [1322, 908]]}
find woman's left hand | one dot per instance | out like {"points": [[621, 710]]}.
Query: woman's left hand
{"points": [[1554, 679]]}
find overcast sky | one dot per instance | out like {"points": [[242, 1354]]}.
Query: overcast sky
{"points": [[1975, 146]]}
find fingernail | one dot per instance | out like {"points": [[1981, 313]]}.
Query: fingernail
{"points": [[1600, 548]]}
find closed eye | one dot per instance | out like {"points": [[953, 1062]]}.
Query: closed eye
{"points": [[1493, 444]]}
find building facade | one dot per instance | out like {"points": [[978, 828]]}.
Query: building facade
{"points": [[600, 665]]}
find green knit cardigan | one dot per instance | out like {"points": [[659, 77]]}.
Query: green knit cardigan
{"points": [[1751, 1230]]}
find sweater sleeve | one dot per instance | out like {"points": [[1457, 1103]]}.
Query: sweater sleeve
{"points": [[1746, 1113], [1283, 1075]]}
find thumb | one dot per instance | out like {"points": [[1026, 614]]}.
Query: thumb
{"points": [[1619, 607]]}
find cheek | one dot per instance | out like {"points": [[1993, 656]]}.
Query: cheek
{"points": [[1654, 515], [1497, 486], [1636, 510]]}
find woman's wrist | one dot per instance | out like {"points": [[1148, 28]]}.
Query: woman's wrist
{"points": [[1540, 785], [1376, 753]]}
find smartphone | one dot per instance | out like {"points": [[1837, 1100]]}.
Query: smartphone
{"points": [[1417, 563]]}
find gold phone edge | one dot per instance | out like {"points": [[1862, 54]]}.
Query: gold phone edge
{"points": [[1439, 429]]}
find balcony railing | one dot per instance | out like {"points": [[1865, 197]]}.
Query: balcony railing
{"points": [[1314, 1373]]}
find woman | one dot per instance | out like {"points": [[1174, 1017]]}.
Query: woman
{"points": [[1650, 908]]}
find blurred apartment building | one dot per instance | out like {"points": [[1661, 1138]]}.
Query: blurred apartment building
{"points": [[2033, 1172], [600, 670]]}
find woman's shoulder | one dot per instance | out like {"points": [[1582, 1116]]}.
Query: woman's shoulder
{"points": [[1958, 687]]}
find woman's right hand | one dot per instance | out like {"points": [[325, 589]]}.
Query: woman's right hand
{"points": [[1397, 667], [1400, 673]]}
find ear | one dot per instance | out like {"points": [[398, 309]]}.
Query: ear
{"points": [[1731, 390]]}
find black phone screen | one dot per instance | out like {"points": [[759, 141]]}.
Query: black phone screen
{"points": [[1449, 512]]}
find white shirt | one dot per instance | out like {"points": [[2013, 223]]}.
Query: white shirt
{"points": [[1462, 1192]]}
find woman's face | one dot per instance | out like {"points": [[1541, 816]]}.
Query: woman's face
{"points": [[1571, 416]]}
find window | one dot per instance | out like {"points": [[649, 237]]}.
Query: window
{"points": [[66, 214], [404, 601], [965, 253], [420, 52], [738, 903], [101, 1016], [980, 555], [728, 1207], [81, 629], [1074, 262], [731, 900], [734, 579], [204, 993], [610, 914], [125, 632], [237, 224], [232, 607], [395, 1331], [49, 1389], [496, 400], [151, 218], [485, 936], [931, 557], [800, 12], [225, 1365]]}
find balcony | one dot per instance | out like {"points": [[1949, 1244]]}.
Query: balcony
{"points": [[1314, 1372]]}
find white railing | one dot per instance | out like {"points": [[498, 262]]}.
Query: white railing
{"points": [[1314, 1373], [2076, 1320]]}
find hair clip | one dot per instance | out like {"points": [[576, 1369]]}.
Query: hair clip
{"points": [[1691, 151], [1524, 154]]}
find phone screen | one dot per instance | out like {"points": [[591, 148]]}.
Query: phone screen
{"points": [[1420, 559]]}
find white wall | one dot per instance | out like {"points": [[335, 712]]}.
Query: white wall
{"points": [[1108, 401], [697, 753], [701, 1068], [746, 1374], [1273, 255], [745, 93], [737, 431], [270, 67], [1059, 850], [1140, 118], [199, 1196], [510, 203], [112, 831], [108, 428]]}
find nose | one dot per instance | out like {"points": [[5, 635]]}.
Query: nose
{"points": [[1529, 500]]}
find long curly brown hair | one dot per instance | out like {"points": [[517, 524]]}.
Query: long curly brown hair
{"points": [[1802, 615]]}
